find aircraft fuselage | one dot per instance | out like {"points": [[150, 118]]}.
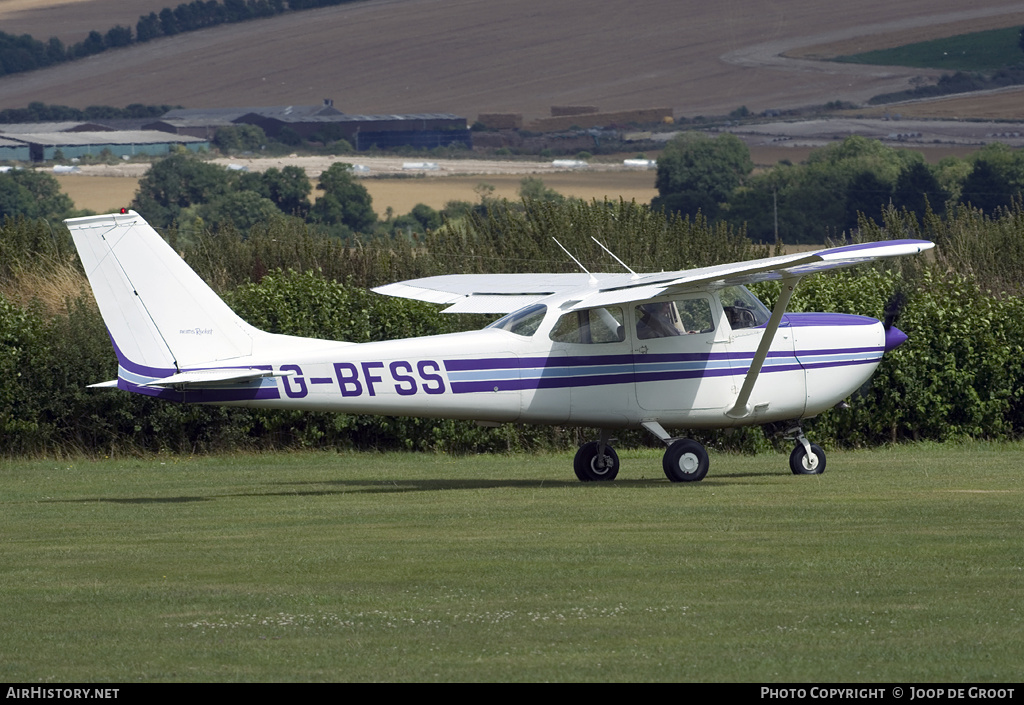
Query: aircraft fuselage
{"points": [[683, 380]]}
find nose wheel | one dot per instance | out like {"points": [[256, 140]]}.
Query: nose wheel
{"points": [[809, 460]]}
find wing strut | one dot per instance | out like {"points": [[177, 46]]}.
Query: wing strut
{"points": [[741, 408]]}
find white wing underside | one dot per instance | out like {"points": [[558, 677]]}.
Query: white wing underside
{"points": [[504, 293]]}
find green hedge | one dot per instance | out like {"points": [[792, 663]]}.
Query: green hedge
{"points": [[960, 375]]}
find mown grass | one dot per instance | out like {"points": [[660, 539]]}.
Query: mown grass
{"points": [[895, 565], [978, 51]]}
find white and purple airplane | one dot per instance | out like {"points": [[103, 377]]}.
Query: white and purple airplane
{"points": [[690, 349]]}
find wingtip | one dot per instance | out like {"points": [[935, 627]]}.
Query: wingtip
{"points": [[109, 384]]}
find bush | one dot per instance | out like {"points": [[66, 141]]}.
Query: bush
{"points": [[960, 374]]}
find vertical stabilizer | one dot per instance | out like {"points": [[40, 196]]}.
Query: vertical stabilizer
{"points": [[162, 317]]}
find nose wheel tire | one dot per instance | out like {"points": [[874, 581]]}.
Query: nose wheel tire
{"points": [[685, 460], [802, 464], [591, 466]]}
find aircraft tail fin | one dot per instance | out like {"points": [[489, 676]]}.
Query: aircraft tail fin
{"points": [[161, 316]]}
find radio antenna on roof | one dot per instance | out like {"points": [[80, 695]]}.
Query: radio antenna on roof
{"points": [[593, 279], [635, 275]]}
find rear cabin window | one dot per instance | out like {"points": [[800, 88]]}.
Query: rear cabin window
{"points": [[590, 326]]}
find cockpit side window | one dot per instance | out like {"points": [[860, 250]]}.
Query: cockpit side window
{"points": [[742, 308], [663, 319], [590, 326], [523, 322]]}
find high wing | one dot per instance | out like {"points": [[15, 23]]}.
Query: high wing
{"points": [[504, 293], [487, 293]]}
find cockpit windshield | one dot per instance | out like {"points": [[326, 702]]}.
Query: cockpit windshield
{"points": [[743, 309]]}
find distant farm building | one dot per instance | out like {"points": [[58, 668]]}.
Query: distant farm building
{"points": [[196, 123], [68, 126], [325, 123], [13, 151], [47, 141]]}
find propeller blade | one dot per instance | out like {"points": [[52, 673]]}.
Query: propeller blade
{"points": [[893, 309]]}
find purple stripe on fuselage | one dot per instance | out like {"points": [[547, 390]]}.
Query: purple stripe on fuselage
{"points": [[531, 363], [506, 385], [638, 376]]}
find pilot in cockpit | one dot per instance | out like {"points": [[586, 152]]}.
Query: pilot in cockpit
{"points": [[658, 320]]}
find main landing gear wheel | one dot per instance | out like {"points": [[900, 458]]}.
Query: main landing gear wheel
{"points": [[803, 464], [685, 460], [591, 466]]}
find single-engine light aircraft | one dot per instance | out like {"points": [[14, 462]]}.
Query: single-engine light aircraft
{"points": [[690, 349]]}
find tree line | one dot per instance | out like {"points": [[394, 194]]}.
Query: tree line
{"points": [[183, 189], [25, 53], [37, 111], [826, 195]]}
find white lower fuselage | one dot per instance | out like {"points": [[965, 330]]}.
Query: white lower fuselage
{"points": [[493, 375]]}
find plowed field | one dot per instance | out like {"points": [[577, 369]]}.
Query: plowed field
{"points": [[468, 56]]}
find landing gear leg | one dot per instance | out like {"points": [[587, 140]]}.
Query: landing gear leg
{"points": [[596, 461], [685, 459], [807, 458]]}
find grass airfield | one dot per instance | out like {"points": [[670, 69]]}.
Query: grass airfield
{"points": [[901, 564]]}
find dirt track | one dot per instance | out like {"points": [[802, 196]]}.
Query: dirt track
{"points": [[468, 57], [378, 166]]}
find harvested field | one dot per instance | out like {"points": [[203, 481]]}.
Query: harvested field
{"points": [[104, 188], [388, 56], [402, 194], [103, 194]]}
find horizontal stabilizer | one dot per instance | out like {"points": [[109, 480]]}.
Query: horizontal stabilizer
{"points": [[109, 384], [199, 378]]}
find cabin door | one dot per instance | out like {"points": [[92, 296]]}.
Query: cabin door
{"points": [[680, 361]]}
